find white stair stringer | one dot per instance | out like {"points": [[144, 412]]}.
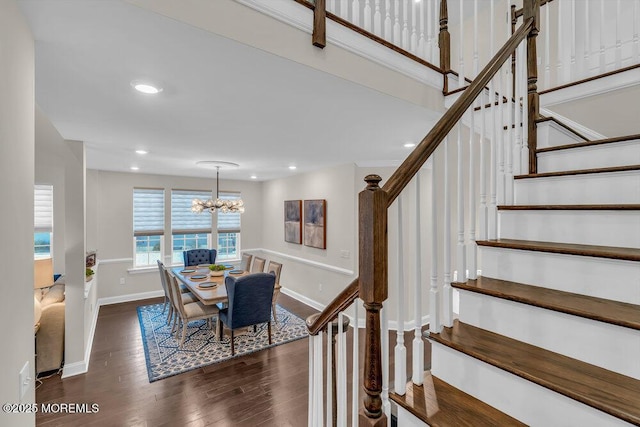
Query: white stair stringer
{"points": [[597, 188], [617, 349], [551, 134], [522, 399], [612, 279], [618, 228], [590, 157]]}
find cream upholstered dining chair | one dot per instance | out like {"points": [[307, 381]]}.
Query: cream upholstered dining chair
{"points": [[187, 296], [275, 268], [258, 265], [245, 264], [189, 311]]}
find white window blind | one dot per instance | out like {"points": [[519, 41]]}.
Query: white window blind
{"points": [[229, 222], [43, 209], [183, 221], [148, 212]]}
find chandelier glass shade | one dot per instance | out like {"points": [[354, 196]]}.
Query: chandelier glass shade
{"points": [[217, 204]]}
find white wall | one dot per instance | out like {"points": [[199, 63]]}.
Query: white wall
{"points": [[110, 224], [16, 227], [318, 274]]}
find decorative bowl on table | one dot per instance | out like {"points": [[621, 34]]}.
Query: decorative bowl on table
{"points": [[217, 270]]}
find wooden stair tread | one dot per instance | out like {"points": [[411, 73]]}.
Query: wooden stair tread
{"points": [[580, 172], [611, 207], [589, 143], [626, 254], [439, 404], [599, 388], [609, 311]]}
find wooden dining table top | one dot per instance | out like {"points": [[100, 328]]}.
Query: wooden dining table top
{"points": [[208, 296]]}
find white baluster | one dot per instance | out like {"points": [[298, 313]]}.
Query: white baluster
{"points": [[434, 298], [319, 404], [344, 10], [413, 42], [500, 142], [435, 30], [377, 20], [587, 40], [461, 81], [367, 15], [388, 36], [396, 24], [355, 379], [517, 163], [547, 45], [572, 67], [461, 264], [428, 48], [602, 48], [636, 36], [329, 392], [471, 246], [341, 377], [400, 350], [405, 25], [447, 291], [560, 46], [618, 54], [311, 421], [332, 6], [492, 211], [418, 344], [508, 179], [525, 113], [355, 12], [475, 41], [384, 341], [421, 43], [482, 211]]}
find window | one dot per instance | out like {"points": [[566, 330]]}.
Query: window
{"points": [[148, 226], [43, 221], [228, 231], [188, 230]]}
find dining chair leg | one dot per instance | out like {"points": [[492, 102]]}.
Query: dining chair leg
{"points": [[169, 314], [233, 349], [164, 304], [273, 312], [255, 328], [184, 332], [220, 331], [269, 329]]}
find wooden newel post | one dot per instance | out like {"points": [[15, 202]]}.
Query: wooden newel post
{"points": [[532, 10], [444, 43], [373, 291], [319, 36]]}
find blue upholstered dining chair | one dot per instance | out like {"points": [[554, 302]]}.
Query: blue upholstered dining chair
{"points": [[199, 256], [249, 302]]}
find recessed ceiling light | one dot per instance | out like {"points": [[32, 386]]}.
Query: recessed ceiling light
{"points": [[142, 152], [134, 168], [292, 167], [254, 177], [409, 145], [145, 87]]}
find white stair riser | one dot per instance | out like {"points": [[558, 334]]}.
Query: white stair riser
{"points": [[407, 419], [598, 188], [604, 228], [599, 277], [597, 156], [551, 134], [618, 348], [528, 402]]}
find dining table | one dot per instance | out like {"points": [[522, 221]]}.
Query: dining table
{"points": [[210, 289]]}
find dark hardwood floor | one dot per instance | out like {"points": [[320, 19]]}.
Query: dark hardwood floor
{"points": [[267, 388]]}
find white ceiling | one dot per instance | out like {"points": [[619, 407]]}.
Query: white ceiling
{"points": [[221, 100]]}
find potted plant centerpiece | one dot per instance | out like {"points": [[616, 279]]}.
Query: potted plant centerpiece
{"points": [[88, 273], [217, 269]]}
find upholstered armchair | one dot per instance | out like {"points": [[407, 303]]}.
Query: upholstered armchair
{"points": [[249, 302], [199, 256]]}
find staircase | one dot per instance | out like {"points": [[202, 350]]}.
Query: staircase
{"points": [[550, 333]]}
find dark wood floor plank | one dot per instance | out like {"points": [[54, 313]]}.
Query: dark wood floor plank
{"points": [[627, 254], [603, 310], [439, 404], [605, 390]]}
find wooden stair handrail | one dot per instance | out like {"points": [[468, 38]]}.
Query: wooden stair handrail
{"points": [[412, 164], [343, 300]]}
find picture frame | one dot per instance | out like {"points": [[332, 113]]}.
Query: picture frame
{"points": [[293, 221], [315, 223]]}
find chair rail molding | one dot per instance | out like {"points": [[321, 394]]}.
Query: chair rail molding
{"points": [[316, 264], [298, 16]]}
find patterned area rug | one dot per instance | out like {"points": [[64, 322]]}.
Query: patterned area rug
{"points": [[201, 348]]}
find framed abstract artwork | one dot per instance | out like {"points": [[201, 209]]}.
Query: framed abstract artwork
{"points": [[293, 221], [315, 223]]}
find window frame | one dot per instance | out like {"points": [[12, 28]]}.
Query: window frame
{"points": [[146, 232]]}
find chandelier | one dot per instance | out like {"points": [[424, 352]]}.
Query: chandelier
{"points": [[221, 205]]}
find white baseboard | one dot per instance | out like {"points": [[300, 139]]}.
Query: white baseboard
{"points": [[129, 297], [82, 367], [303, 299]]}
